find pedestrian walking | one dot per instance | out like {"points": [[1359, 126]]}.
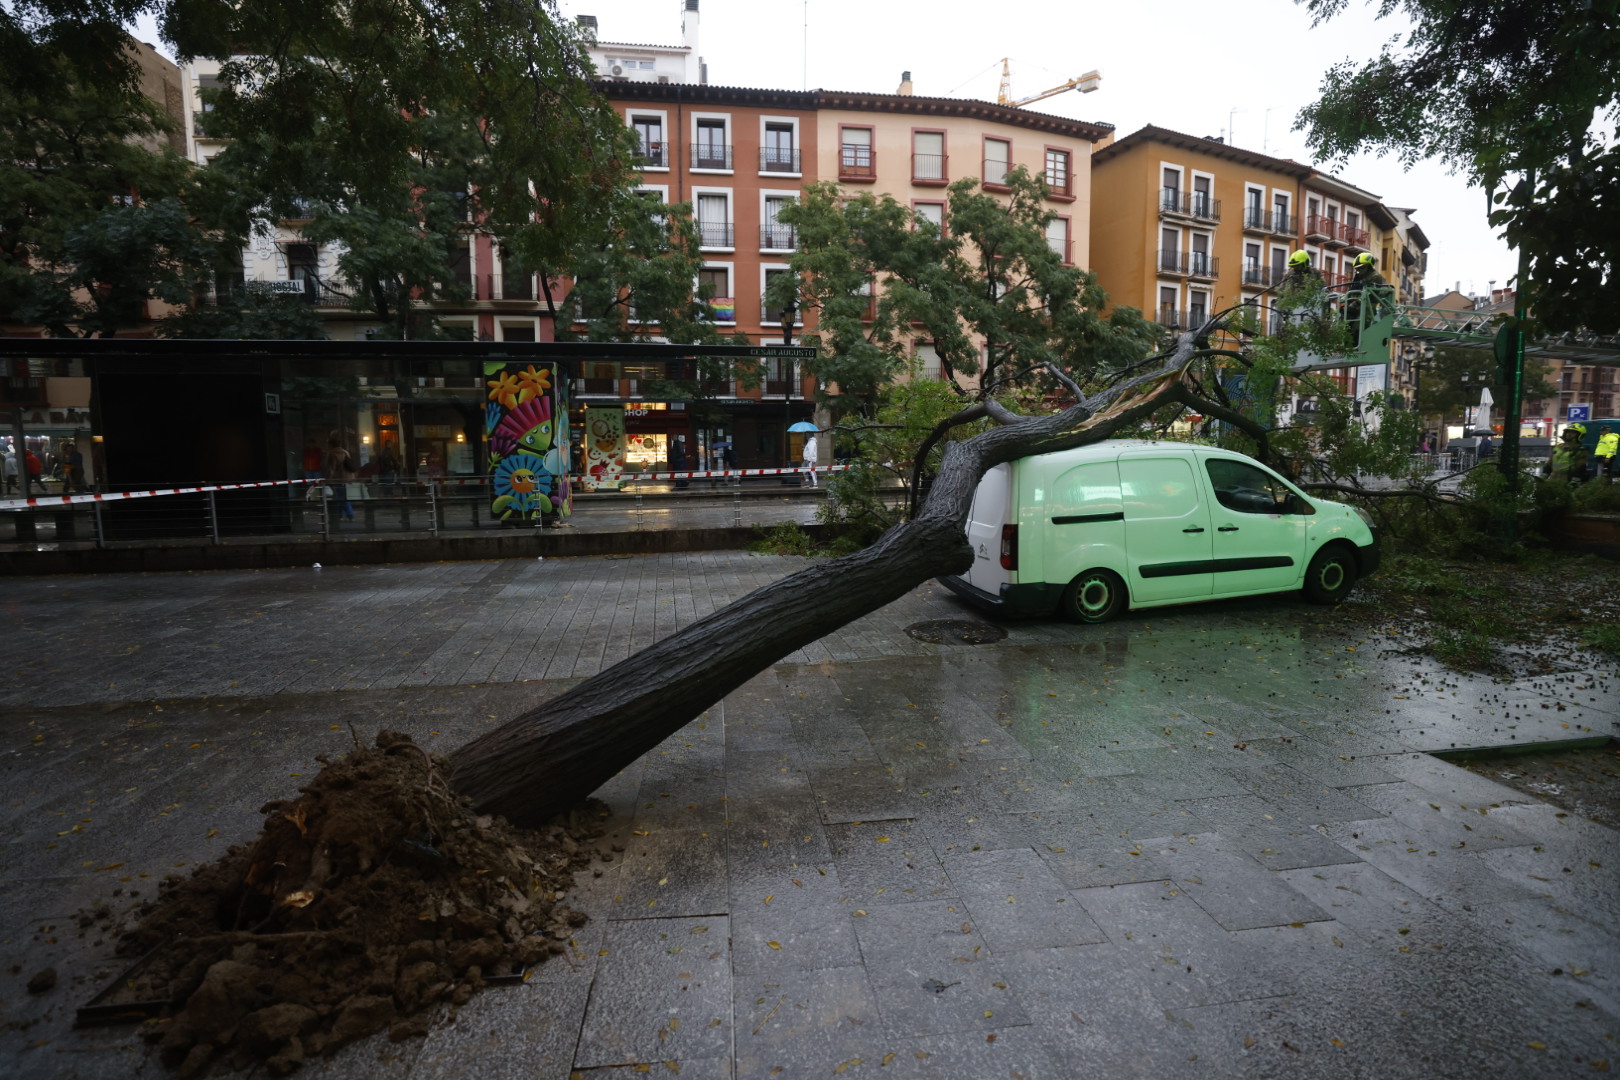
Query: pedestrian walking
{"points": [[338, 469], [810, 454], [72, 468], [12, 483], [678, 462]]}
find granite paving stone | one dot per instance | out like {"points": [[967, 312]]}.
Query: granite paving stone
{"points": [[1163, 799], [1016, 902], [1234, 889], [659, 991]]}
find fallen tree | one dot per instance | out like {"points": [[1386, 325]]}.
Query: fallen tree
{"points": [[550, 757]]}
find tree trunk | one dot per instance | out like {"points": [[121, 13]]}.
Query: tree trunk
{"points": [[541, 762]]}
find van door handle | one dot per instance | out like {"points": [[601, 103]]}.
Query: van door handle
{"points": [[1192, 530], [1227, 528]]}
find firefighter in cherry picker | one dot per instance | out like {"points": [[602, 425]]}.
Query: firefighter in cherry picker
{"points": [[1358, 297]]}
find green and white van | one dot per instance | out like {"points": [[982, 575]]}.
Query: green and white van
{"points": [[1090, 532]]}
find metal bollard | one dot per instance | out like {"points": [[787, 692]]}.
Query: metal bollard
{"points": [[213, 517]]}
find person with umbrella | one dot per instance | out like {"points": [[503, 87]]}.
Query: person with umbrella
{"points": [[810, 452]]}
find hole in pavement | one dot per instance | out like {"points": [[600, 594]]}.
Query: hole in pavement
{"points": [[956, 631]]}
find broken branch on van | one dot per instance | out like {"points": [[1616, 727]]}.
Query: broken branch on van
{"points": [[557, 753]]}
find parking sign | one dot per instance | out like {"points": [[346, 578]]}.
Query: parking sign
{"points": [[1577, 413]]}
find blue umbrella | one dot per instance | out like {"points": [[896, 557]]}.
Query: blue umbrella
{"points": [[804, 425]]}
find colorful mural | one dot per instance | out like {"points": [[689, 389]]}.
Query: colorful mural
{"points": [[604, 449], [526, 436]]}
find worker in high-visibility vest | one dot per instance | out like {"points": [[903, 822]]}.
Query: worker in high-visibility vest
{"points": [[1608, 448], [1366, 276], [1568, 461]]}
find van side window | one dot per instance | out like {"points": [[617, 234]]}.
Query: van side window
{"points": [[1246, 489]]}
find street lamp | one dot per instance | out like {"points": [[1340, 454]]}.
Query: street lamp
{"points": [[1418, 357]]}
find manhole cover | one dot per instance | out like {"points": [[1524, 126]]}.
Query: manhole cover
{"points": [[958, 631]]}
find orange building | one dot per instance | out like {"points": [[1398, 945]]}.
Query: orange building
{"points": [[1183, 226]]}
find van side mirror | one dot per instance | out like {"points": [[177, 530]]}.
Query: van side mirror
{"points": [[1298, 504]]}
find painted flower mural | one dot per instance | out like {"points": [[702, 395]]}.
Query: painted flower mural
{"points": [[526, 434], [522, 486]]}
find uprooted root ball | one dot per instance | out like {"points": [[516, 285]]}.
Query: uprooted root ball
{"points": [[374, 895]]}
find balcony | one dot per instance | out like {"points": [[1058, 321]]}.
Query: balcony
{"points": [[1284, 224], [1355, 240], [770, 313], [1172, 318], [713, 157], [1189, 264], [1319, 229], [510, 287], [653, 155], [1192, 206], [715, 235], [777, 237], [723, 309], [1258, 277], [311, 288], [777, 159], [929, 169], [856, 163], [1256, 220], [200, 124]]}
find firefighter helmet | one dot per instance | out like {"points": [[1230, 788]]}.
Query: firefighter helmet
{"points": [[1365, 259], [1578, 429], [1300, 258]]}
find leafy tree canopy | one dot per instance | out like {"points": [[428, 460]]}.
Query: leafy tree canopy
{"points": [[1524, 98], [250, 311], [879, 278], [391, 129], [95, 211]]}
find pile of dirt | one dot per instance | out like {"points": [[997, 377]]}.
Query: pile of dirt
{"points": [[373, 896]]}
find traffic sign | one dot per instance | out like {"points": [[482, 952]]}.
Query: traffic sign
{"points": [[1577, 413]]}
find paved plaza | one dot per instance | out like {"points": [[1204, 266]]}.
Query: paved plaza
{"points": [[1200, 842]]}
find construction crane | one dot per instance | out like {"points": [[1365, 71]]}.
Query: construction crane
{"points": [[1085, 84]]}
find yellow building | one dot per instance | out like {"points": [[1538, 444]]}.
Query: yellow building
{"points": [[1183, 226]]}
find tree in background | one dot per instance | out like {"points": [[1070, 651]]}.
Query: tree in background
{"points": [[1524, 99], [96, 212], [250, 311], [397, 129], [989, 292]]}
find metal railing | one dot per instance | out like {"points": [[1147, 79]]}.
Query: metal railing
{"points": [[776, 159], [652, 155], [715, 234], [709, 156], [1188, 263], [778, 237], [1193, 204], [928, 168], [509, 287], [856, 162], [314, 511]]}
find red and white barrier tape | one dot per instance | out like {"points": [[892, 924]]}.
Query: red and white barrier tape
{"points": [[115, 496]]}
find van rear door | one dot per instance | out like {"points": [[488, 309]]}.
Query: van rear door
{"points": [[992, 508], [1168, 544]]}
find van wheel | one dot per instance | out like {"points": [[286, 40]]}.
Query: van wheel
{"points": [[1331, 575], [1096, 596]]}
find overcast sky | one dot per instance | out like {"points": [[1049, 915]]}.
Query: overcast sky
{"points": [[1179, 64]]}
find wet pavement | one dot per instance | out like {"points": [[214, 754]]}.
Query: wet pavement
{"points": [[1200, 842]]}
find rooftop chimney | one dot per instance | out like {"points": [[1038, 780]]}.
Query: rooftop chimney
{"points": [[689, 26], [905, 84], [587, 23]]}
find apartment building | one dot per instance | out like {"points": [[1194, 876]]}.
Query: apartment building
{"points": [[1184, 226], [622, 61], [739, 155]]}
